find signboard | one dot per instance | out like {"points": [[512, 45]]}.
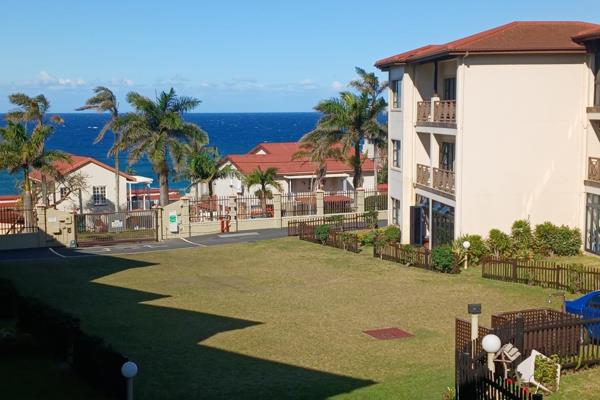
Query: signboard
{"points": [[173, 226], [117, 223], [52, 219]]}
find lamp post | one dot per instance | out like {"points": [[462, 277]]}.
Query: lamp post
{"points": [[466, 244], [491, 344], [474, 310], [129, 370]]}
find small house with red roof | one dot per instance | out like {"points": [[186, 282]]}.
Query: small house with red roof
{"points": [[493, 127], [294, 176], [89, 185]]}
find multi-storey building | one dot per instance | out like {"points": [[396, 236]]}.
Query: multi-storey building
{"points": [[494, 127]]}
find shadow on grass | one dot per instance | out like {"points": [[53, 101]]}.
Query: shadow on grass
{"points": [[165, 342]]}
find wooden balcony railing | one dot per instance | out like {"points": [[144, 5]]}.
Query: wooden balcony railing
{"points": [[444, 111], [423, 175], [443, 180], [423, 111], [594, 169]]}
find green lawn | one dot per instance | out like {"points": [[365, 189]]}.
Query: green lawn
{"points": [[276, 319]]}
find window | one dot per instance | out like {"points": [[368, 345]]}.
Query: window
{"points": [[396, 211], [397, 154], [99, 195], [597, 80], [450, 89], [64, 192], [397, 94], [447, 156]]}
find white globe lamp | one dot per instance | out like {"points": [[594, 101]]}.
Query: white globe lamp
{"points": [[491, 344], [129, 370], [466, 244]]}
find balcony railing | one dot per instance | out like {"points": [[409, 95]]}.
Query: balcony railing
{"points": [[436, 111], [594, 169], [423, 175], [443, 180], [423, 111]]}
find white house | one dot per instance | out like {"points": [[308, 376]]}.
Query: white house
{"points": [[494, 127], [88, 185], [295, 176]]}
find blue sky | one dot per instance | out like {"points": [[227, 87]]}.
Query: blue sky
{"points": [[236, 56]]}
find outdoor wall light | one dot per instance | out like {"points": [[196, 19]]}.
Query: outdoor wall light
{"points": [[491, 344], [466, 244], [129, 370]]}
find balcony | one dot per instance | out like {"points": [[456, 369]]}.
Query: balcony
{"points": [[441, 113], [443, 180], [593, 113]]}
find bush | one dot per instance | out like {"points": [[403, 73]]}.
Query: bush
{"points": [[369, 238], [371, 219], [477, 250], [522, 240], [499, 243], [554, 240], [322, 233], [443, 259], [392, 233]]}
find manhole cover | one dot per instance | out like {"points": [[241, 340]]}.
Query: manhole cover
{"points": [[388, 333]]}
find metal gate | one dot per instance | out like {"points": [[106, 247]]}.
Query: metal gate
{"points": [[116, 227]]}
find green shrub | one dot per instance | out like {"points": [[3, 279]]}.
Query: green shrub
{"points": [[545, 370], [477, 250], [369, 238], [557, 240], [322, 233], [392, 233], [371, 219], [522, 240], [443, 259], [499, 243]]}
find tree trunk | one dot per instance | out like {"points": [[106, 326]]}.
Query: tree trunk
{"points": [[45, 190], [196, 197], [263, 201], [163, 178], [27, 202], [117, 185], [357, 179], [210, 188], [375, 165]]}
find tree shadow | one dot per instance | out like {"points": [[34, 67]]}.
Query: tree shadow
{"points": [[165, 342]]}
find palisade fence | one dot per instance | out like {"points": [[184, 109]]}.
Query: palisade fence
{"points": [[376, 200], [208, 209], [340, 202], [336, 223], [15, 220], [251, 207], [298, 204], [413, 256], [571, 277]]}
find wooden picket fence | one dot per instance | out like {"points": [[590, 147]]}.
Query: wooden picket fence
{"points": [[419, 257], [338, 222], [340, 240], [571, 277]]}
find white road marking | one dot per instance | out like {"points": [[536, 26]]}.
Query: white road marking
{"points": [[238, 234], [56, 252], [95, 250], [190, 242]]}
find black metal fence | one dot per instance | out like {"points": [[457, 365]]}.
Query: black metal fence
{"points": [[340, 202], [251, 207], [116, 227], [213, 208], [298, 204], [376, 200], [15, 220]]}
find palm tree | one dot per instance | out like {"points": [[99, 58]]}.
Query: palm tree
{"points": [[33, 109], [104, 100], [368, 83], [349, 120], [21, 152], [203, 167], [318, 150], [263, 179], [156, 129]]}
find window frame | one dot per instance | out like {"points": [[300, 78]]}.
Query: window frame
{"points": [[99, 195], [396, 88], [450, 89], [396, 211], [397, 154]]}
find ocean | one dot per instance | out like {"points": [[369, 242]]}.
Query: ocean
{"points": [[231, 133]]}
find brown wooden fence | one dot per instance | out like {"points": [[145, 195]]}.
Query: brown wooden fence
{"points": [[338, 222], [575, 278], [337, 239], [419, 257]]}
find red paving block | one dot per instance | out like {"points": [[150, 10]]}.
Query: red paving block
{"points": [[388, 333]]}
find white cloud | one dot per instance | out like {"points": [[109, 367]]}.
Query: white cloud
{"points": [[47, 79], [121, 82], [337, 85], [308, 84]]}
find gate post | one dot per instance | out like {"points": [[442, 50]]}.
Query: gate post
{"points": [[320, 196], [160, 224], [277, 209], [41, 226], [185, 216], [360, 200], [233, 211]]}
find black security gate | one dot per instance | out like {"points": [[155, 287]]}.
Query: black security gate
{"points": [[442, 223], [116, 227], [592, 224]]}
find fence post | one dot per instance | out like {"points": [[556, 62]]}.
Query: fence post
{"points": [[519, 334], [185, 216], [41, 225], [360, 200], [514, 271], [277, 209], [320, 195], [233, 212]]}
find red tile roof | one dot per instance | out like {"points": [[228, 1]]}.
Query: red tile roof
{"points": [[519, 37], [76, 162], [279, 155], [154, 194], [9, 200], [590, 34]]}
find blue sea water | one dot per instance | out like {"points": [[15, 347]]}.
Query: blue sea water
{"points": [[232, 133]]}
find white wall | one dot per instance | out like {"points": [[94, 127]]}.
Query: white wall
{"points": [[520, 141]]}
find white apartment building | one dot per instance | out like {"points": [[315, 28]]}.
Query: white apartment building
{"points": [[494, 127]]}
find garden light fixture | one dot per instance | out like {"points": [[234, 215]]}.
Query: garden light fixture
{"points": [[491, 344], [129, 370]]}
